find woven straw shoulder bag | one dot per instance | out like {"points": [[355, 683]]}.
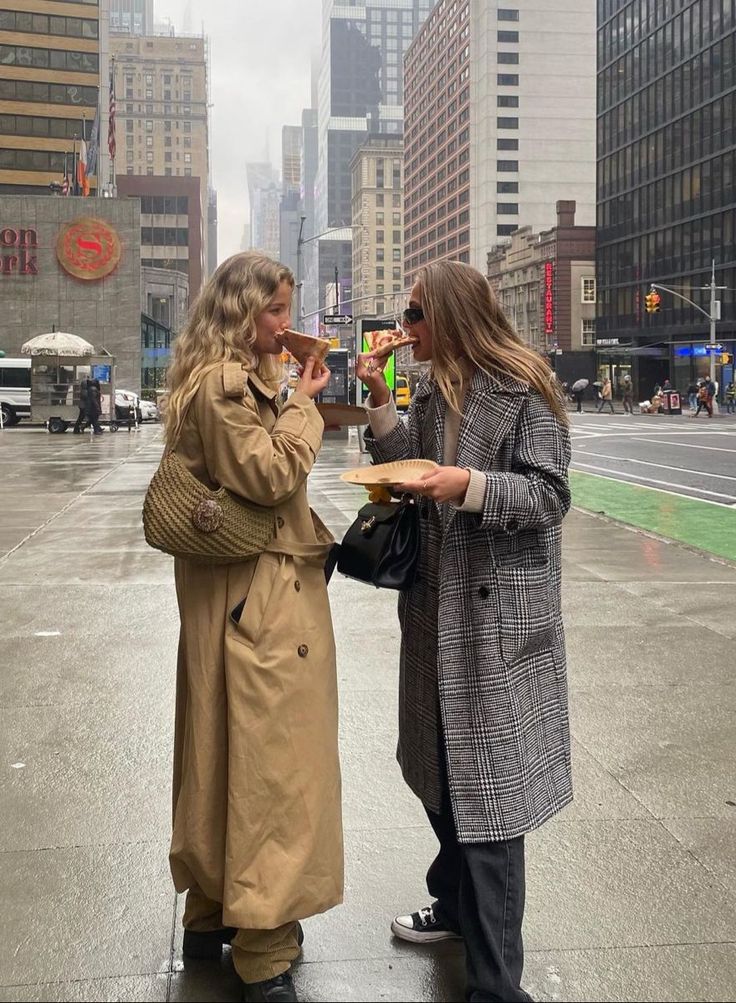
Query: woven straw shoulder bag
{"points": [[185, 518]]}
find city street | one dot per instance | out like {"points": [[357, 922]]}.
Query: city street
{"points": [[629, 891], [692, 457]]}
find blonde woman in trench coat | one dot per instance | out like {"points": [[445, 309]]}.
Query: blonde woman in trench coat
{"points": [[257, 837], [483, 726]]}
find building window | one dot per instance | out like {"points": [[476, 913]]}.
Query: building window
{"points": [[149, 94], [379, 273], [507, 144], [379, 219], [396, 254], [506, 14], [379, 254], [588, 290], [149, 140], [396, 218], [507, 187], [397, 238], [149, 156], [188, 172], [379, 236], [167, 157], [507, 123], [507, 208], [167, 140], [506, 229], [509, 58], [507, 101], [149, 79], [379, 200], [588, 332], [507, 166], [167, 172], [129, 125], [507, 36], [507, 79], [187, 158]]}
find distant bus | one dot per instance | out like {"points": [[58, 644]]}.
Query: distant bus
{"points": [[15, 390]]}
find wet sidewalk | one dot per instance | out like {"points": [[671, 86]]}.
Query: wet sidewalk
{"points": [[630, 891]]}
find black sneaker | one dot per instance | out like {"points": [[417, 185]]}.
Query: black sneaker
{"points": [[422, 927], [279, 989]]}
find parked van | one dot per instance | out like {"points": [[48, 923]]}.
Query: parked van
{"points": [[15, 390]]}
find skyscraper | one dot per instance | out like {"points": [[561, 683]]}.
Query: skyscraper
{"points": [[499, 124], [666, 184], [264, 193], [52, 65], [360, 93], [131, 17]]}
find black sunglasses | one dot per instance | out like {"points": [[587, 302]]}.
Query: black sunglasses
{"points": [[413, 314]]}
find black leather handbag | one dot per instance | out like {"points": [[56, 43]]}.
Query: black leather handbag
{"points": [[382, 545]]}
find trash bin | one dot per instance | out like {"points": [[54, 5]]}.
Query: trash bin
{"points": [[671, 402]]}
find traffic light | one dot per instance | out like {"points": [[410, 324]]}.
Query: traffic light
{"points": [[725, 359], [652, 300]]}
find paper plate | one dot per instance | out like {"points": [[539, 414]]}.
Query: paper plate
{"points": [[390, 473], [303, 346], [343, 414]]}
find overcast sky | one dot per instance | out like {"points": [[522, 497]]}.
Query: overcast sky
{"points": [[261, 53]]}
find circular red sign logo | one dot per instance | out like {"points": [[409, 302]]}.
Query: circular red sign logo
{"points": [[88, 249]]}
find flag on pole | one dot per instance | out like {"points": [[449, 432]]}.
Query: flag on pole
{"points": [[82, 182], [65, 182], [93, 147], [111, 145]]}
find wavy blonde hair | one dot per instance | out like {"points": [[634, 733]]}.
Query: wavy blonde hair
{"points": [[468, 324], [222, 328]]}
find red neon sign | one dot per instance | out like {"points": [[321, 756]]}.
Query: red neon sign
{"points": [[549, 298]]}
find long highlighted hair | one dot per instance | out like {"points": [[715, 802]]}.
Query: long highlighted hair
{"points": [[222, 328], [468, 324]]}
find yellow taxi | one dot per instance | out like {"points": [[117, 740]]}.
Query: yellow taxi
{"points": [[403, 393]]}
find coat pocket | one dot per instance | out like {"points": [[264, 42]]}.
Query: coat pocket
{"points": [[526, 610], [247, 616]]}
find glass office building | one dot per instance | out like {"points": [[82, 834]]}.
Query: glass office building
{"points": [[666, 182]]}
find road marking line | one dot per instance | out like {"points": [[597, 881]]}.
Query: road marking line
{"points": [[610, 475], [664, 466], [689, 445]]}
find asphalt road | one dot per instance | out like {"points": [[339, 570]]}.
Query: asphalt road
{"points": [[686, 456]]}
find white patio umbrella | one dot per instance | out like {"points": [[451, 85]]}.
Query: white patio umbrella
{"points": [[57, 343]]}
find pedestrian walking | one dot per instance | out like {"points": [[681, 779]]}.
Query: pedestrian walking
{"points": [[483, 725], [606, 396], [731, 398], [578, 391], [627, 389], [705, 399], [692, 396], [257, 838], [90, 407]]}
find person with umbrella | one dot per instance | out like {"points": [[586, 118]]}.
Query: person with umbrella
{"points": [[578, 389]]}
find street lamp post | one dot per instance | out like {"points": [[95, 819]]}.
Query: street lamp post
{"points": [[301, 241]]}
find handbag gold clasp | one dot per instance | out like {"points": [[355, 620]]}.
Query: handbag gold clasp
{"points": [[367, 525]]}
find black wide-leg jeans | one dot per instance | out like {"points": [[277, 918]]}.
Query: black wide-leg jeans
{"points": [[479, 890]]}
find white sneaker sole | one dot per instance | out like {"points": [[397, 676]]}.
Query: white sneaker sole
{"points": [[415, 937]]}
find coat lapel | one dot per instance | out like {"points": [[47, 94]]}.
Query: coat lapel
{"points": [[489, 413]]}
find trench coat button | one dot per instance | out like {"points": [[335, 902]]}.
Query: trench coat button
{"points": [[279, 522], [484, 591], [302, 651], [298, 585], [512, 525]]}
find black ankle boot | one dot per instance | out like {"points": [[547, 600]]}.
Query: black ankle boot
{"points": [[207, 946], [279, 990]]}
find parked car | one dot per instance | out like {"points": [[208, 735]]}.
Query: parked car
{"points": [[15, 390], [125, 400], [149, 411]]}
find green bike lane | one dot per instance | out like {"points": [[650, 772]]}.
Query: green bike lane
{"points": [[700, 524]]}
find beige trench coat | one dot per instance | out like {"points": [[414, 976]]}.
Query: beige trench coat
{"points": [[257, 805]]}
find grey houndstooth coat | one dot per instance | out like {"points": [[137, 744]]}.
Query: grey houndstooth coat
{"points": [[483, 649]]}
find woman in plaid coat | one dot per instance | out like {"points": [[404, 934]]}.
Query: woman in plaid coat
{"points": [[483, 727]]}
